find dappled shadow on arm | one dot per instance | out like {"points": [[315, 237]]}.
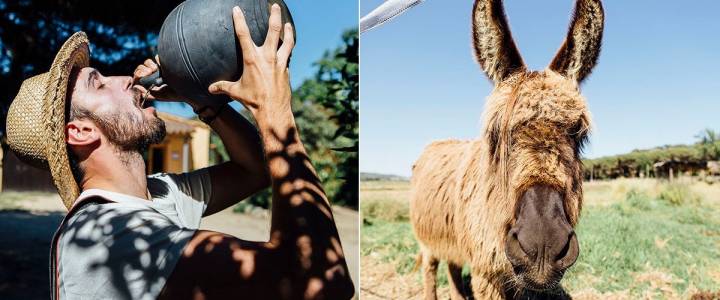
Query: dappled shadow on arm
{"points": [[303, 259]]}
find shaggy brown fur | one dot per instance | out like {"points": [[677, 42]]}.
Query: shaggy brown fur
{"points": [[465, 193]]}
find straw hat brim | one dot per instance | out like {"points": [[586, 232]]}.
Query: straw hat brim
{"points": [[35, 123], [74, 53]]}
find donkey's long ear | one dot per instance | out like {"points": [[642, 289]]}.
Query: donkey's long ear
{"points": [[494, 47], [580, 50]]}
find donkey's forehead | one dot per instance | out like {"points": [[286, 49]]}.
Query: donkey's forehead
{"points": [[541, 96]]}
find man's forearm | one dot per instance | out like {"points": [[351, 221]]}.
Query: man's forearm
{"points": [[241, 139], [294, 181], [302, 220]]}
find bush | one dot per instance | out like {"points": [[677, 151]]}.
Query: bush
{"points": [[391, 210], [637, 198], [678, 194]]}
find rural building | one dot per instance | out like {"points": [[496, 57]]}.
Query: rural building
{"points": [[185, 148]]}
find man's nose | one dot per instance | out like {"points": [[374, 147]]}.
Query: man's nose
{"points": [[121, 82], [128, 82]]}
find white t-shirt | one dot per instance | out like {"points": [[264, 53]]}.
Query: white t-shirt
{"points": [[127, 249]]}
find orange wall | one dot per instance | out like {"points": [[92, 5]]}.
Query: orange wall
{"points": [[174, 154]]}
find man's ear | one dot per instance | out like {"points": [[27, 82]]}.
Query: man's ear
{"points": [[81, 133]]}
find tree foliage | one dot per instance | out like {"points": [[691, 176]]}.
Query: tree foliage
{"points": [[326, 113], [709, 142], [122, 34], [707, 148]]}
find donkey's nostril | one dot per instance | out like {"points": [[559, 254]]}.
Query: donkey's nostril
{"points": [[569, 254], [514, 249], [563, 252]]}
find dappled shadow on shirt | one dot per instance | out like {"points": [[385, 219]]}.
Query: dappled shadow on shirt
{"points": [[112, 250], [25, 238], [157, 187]]}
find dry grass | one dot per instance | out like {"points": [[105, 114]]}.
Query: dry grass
{"points": [[608, 192], [382, 281], [386, 200]]}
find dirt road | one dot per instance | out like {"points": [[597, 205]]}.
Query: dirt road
{"points": [[26, 231]]}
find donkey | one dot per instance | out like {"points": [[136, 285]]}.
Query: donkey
{"points": [[507, 202]]}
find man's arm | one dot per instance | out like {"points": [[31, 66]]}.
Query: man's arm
{"points": [[304, 257], [246, 172]]}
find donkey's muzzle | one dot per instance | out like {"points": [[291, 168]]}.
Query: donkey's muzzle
{"points": [[541, 244]]}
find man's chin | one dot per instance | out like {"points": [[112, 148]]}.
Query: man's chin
{"points": [[154, 136], [151, 110]]}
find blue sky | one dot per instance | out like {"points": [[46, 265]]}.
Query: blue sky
{"points": [[656, 83], [319, 25]]}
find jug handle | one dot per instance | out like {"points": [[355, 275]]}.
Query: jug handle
{"points": [[152, 80]]}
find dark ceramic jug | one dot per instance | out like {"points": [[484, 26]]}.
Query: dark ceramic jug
{"points": [[197, 45]]}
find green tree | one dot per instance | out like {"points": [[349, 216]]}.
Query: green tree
{"points": [[122, 34], [709, 141], [326, 113]]}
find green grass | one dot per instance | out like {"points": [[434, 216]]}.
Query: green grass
{"points": [[642, 235], [622, 242]]}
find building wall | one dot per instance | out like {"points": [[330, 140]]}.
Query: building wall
{"points": [[197, 151], [174, 154], [19, 176], [200, 148]]}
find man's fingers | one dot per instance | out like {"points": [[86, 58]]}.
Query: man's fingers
{"points": [[243, 34], [140, 88], [150, 64], [286, 49], [220, 87], [142, 71], [273, 35]]}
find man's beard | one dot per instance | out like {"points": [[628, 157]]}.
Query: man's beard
{"points": [[130, 132]]}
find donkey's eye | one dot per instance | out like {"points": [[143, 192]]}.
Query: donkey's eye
{"points": [[578, 133]]}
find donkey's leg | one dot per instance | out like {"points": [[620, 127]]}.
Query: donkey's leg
{"points": [[430, 265], [457, 288], [485, 288]]}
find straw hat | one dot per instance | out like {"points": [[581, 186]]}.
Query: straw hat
{"points": [[36, 118]]}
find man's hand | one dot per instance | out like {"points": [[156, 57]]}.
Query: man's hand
{"points": [[159, 93], [264, 87]]}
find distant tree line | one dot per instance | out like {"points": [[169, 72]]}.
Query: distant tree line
{"points": [[657, 162]]}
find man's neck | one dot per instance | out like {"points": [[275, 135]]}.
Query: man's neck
{"points": [[123, 172]]}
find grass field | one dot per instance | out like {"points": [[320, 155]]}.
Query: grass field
{"points": [[639, 239]]}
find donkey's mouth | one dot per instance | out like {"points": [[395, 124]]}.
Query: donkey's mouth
{"points": [[524, 288], [532, 281]]}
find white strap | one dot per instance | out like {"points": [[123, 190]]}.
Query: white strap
{"points": [[385, 12]]}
